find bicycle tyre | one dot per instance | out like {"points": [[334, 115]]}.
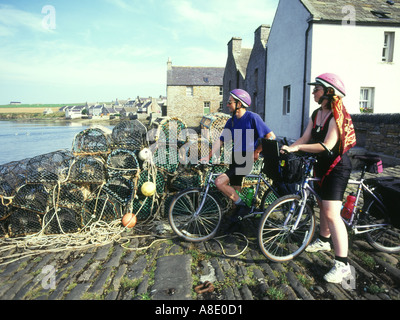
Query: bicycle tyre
{"points": [[385, 239], [183, 222], [277, 241]]}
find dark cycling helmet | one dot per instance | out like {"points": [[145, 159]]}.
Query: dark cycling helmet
{"points": [[333, 81], [242, 96]]}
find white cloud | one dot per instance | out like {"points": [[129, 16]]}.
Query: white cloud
{"points": [[13, 20]]}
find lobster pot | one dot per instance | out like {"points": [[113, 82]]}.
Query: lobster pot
{"points": [[130, 135], [12, 177], [185, 179], [144, 207], [101, 208], [70, 195], [122, 162], [62, 220], [212, 124], [5, 191], [166, 204], [48, 168], [33, 197], [87, 169], [165, 157], [168, 130], [4, 211], [193, 150], [3, 228], [92, 141], [120, 189], [24, 222]]}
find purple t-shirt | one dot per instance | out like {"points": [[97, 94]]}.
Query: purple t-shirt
{"points": [[245, 131]]}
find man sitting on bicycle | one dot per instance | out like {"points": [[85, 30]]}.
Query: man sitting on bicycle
{"points": [[244, 129]]}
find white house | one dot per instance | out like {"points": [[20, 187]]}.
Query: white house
{"points": [[356, 39], [73, 112]]}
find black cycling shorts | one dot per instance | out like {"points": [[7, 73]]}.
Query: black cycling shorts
{"points": [[235, 177], [334, 185]]}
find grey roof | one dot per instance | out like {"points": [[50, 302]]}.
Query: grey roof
{"points": [[195, 76], [377, 12]]}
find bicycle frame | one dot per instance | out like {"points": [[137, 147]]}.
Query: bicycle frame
{"points": [[358, 228], [306, 189], [211, 179]]}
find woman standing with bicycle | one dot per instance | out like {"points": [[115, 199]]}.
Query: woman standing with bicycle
{"points": [[330, 127]]}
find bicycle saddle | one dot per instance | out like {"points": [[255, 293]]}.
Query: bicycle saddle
{"points": [[368, 158]]}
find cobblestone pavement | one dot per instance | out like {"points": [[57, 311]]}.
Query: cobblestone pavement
{"points": [[171, 269]]}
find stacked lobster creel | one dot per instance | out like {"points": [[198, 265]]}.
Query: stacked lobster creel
{"points": [[128, 160], [91, 148], [12, 177], [32, 186], [166, 136]]}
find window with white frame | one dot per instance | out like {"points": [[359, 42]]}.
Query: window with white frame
{"points": [[388, 47], [286, 100], [189, 91], [206, 108], [367, 100]]}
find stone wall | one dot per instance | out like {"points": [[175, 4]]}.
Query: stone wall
{"points": [[379, 133]]}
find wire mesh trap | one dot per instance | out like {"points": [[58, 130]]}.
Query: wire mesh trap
{"points": [[101, 208], [92, 141], [129, 135], [167, 129], [87, 169], [120, 189], [48, 168], [24, 222], [12, 177], [33, 197], [122, 162], [61, 220]]}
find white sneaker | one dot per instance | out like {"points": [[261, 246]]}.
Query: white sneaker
{"points": [[339, 272], [318, 245]]}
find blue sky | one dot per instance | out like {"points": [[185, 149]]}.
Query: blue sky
{"points": [[59, 51]]}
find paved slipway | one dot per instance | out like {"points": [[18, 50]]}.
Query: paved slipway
{"points": [[158, 266]]}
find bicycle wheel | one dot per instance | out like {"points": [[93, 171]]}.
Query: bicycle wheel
{"points": [[279, 241], [268, 197], [385, 238], [191, 222]]}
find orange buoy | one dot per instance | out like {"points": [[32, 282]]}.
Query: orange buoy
{"points": [[129, 220]]}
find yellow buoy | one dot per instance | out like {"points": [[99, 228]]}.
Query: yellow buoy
{"points": [[148, 189]]}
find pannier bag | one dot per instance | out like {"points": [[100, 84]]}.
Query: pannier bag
{"points": [[388, 190], [287, 168]]}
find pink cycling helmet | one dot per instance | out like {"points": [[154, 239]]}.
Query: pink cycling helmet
{"points": [[331, 80], [242, 96]]}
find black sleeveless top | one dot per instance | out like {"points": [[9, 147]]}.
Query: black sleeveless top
{"points": [[318, 134]]}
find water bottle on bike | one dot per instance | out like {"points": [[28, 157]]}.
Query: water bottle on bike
{"points": [[348, 207]]}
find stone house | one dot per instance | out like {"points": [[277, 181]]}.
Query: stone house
{"points": [[354, 39], [193, 92], [235, 68], [245, 69]]}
